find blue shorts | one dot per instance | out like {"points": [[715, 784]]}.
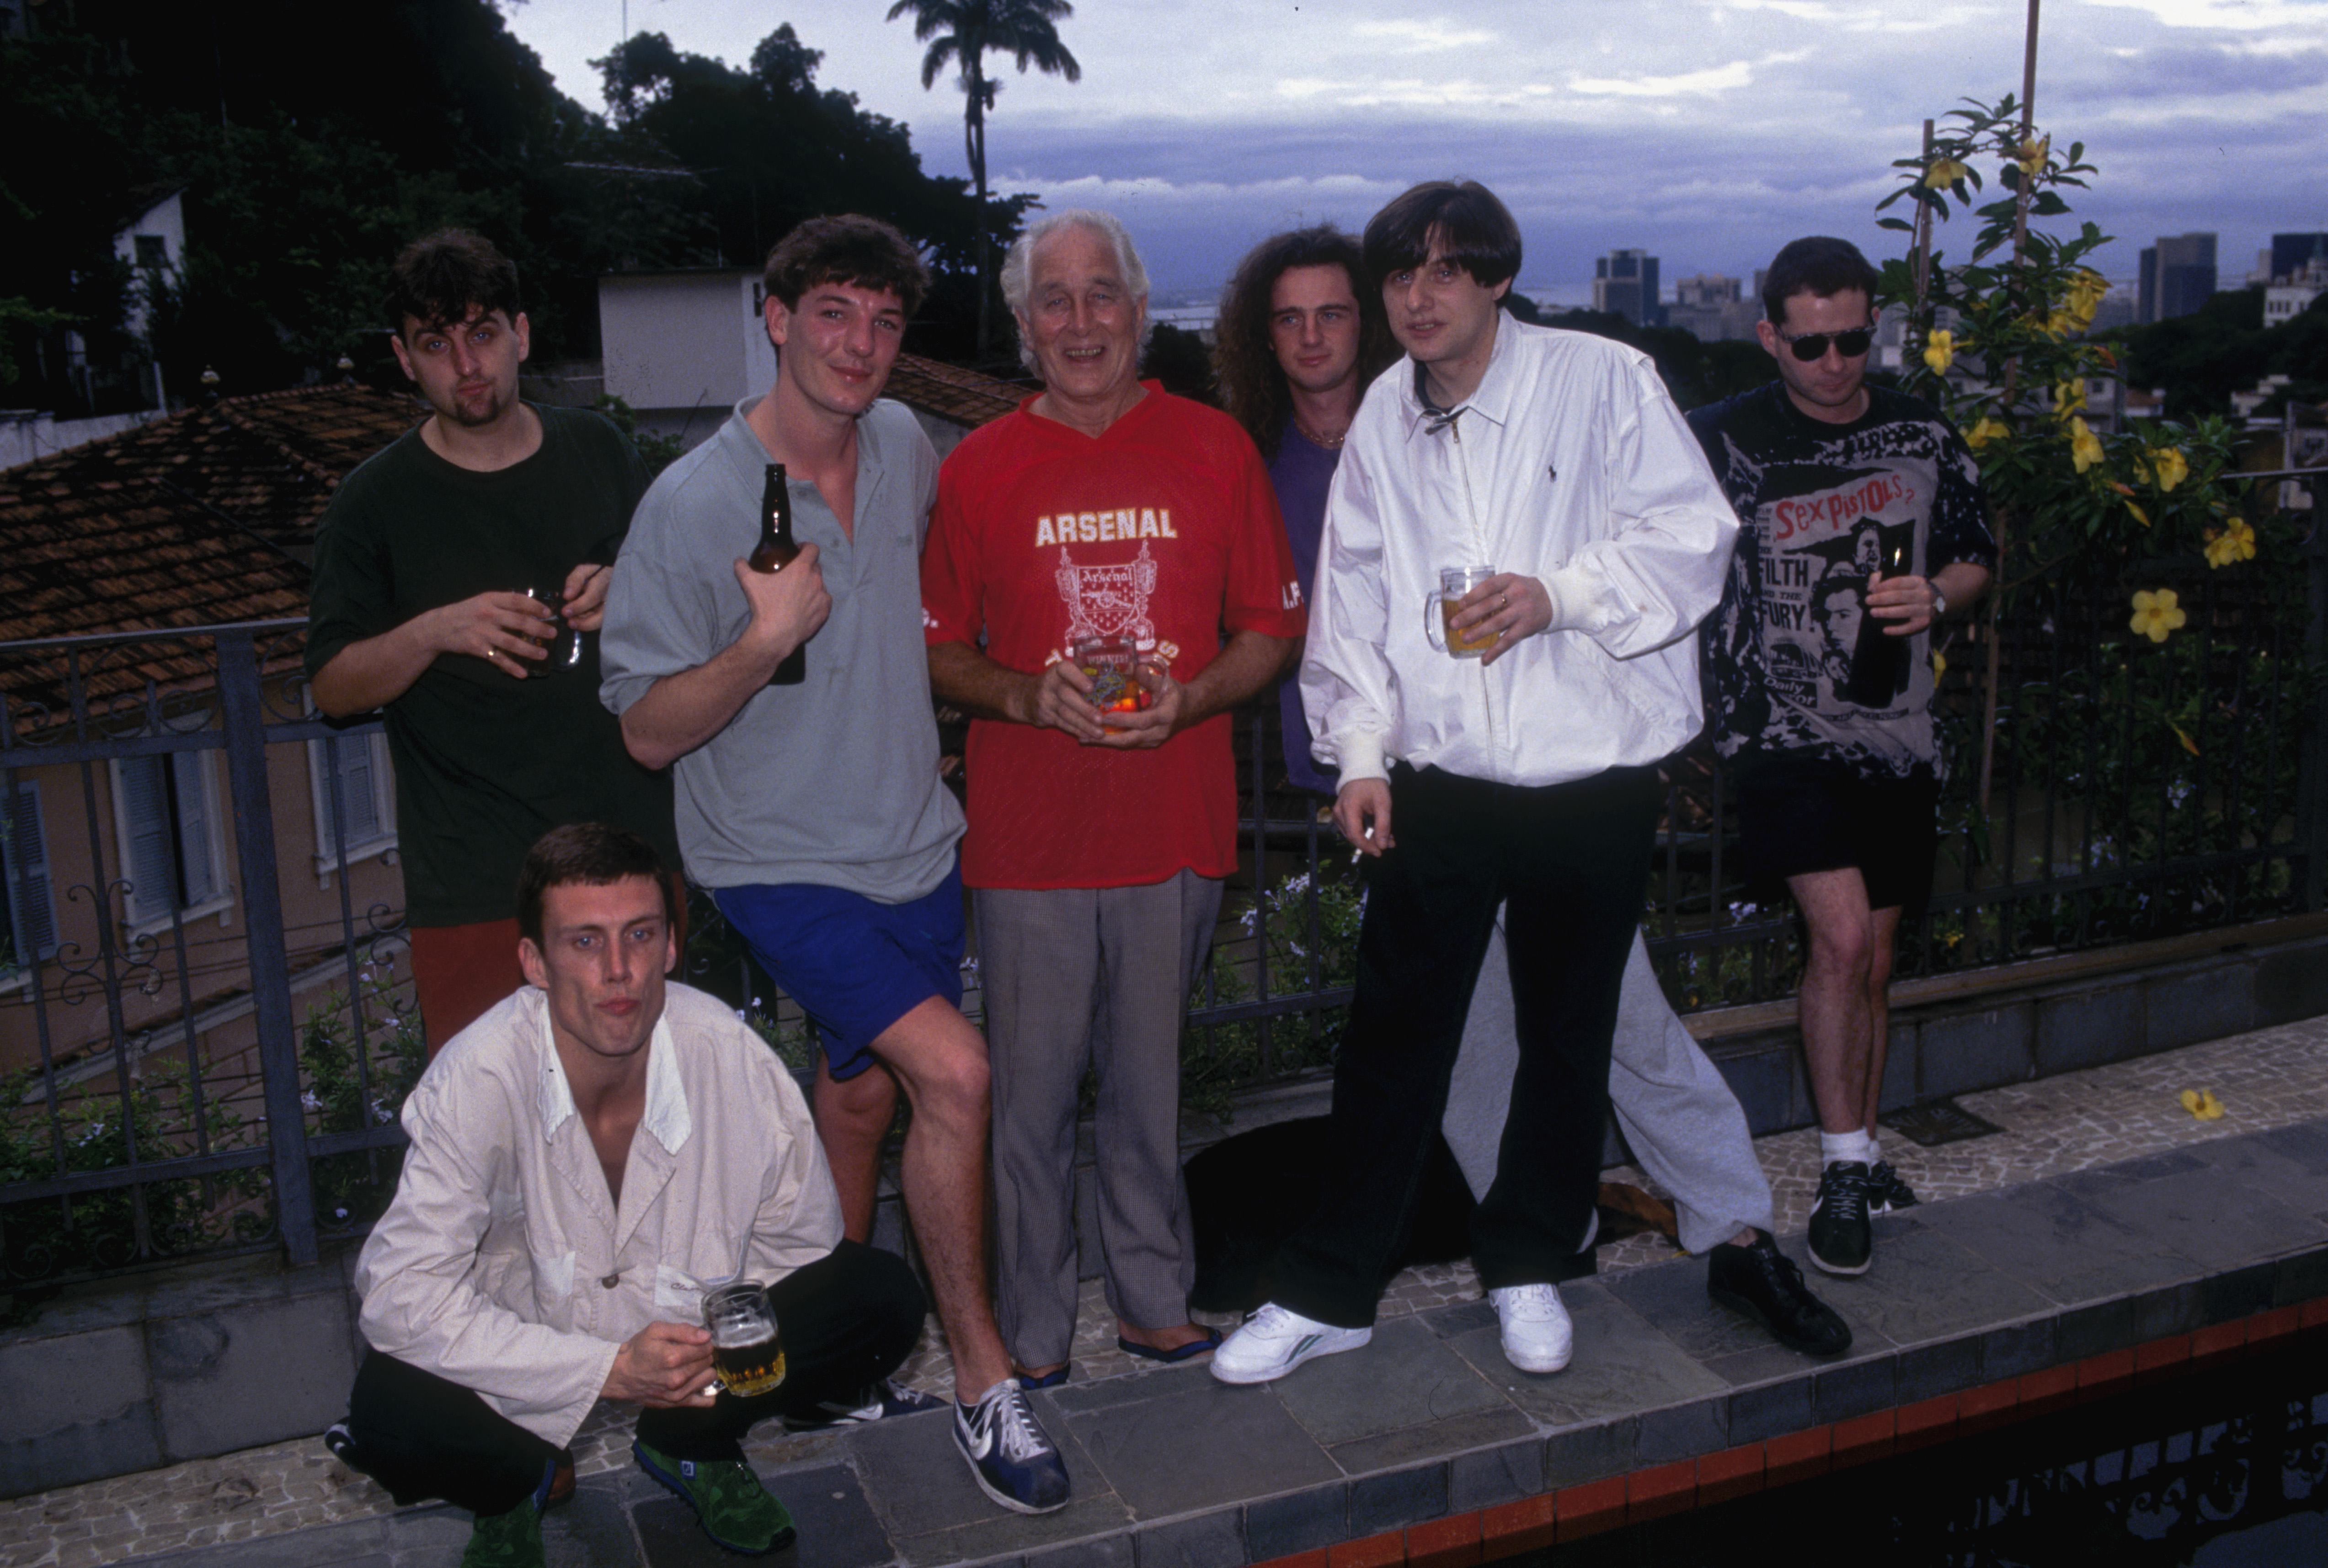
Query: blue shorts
{"points": [[854, 965]]}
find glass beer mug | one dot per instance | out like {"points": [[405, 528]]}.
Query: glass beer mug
{"points": [[747, 1349], [1114, 665], [1439, 614]]}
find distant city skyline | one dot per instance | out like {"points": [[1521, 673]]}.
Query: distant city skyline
{"points": [[1708, 140]]}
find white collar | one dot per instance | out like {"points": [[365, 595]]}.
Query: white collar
{"points": [[666, 1115]]}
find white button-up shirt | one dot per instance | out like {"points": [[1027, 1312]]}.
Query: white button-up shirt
{"points": [[1570, 465], [504, 1265]]}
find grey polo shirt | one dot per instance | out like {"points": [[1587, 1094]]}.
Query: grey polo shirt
{"points": [[834, 781]]}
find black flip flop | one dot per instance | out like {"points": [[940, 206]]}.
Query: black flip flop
{"points": [[1179, 1353]]}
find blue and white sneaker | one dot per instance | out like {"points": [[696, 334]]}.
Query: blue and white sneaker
{"points": [[1275, 1340], [1010, 1457]]}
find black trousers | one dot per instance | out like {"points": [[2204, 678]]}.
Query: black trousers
{"points": [[849, 1319], [1571, 863]]}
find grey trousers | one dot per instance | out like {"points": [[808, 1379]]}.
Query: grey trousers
{"points": [[1681, 1122], [1077, 978]]}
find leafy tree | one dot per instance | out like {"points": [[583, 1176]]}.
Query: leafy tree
{"points": [[1694, 372], [1179, 360], [965, 31], [2202, 359], [770, 148], [62, 105]]}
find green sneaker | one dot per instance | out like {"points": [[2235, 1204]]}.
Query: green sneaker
{"points": [[507, 1540], [736, 1509]]}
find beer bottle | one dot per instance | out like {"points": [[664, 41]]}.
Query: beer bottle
{"points": [[1879, 661], [775, 552]]}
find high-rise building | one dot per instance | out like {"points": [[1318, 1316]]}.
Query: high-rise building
{"points": [[1625, 283], [2178, 275]]}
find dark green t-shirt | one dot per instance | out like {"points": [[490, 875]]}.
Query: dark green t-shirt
{"points": [[486, 763]]}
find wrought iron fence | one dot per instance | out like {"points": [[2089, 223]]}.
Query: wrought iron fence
{"points": [[160, 1097], [205, 1029], [2137, 790]]}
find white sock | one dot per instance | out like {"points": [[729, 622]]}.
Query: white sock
{"points": [[1848, 1146], [1874, 1154]]}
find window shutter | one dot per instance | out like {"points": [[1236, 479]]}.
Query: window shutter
{"points": [[25, 859], [148, 859], [352, 767], [199, 873]]}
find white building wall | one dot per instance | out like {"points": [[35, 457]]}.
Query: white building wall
{"points": [[684, 343]]}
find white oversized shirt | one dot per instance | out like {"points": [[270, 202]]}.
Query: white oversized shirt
{"points": [[1570, 465], [503, 1264]]}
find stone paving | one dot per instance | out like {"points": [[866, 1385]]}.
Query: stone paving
{"points": [[2101, 1212]]}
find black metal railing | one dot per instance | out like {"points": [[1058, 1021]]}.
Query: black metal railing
{"points": [[160, 1099], [205, 1021]]}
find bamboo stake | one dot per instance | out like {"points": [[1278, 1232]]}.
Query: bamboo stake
{"points": [[2012, 374]]}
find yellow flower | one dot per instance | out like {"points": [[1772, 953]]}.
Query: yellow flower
{"points": [[2234, 543], [1982, 433], [1944, 173], [1940, 666], [2085, 446], [2086, 290], [2033, 154], [1940, 351], [2201, 1103], [2140, 516], [2156, 615], [2069, 397], [2165, 464]]}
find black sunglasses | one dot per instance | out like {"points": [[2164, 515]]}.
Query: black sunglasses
{"points": [[1812, 346]]}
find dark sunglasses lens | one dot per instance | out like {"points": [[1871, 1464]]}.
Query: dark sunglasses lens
{"points": [[1814, 347]]}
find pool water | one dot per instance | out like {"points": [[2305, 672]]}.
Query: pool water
{"points": [[2228, 1468]]}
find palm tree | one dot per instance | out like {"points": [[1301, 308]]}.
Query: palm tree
{"points": [[966, 32]]}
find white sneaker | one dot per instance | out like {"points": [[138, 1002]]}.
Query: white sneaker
{"points": [[1275, 1341], [1537, 1335]]}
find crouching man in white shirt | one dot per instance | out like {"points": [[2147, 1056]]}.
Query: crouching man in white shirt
{"points": [[1520, 772], [588, 1159]]}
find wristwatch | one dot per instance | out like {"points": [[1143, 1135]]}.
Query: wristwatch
{"points": [[1940, 601]]}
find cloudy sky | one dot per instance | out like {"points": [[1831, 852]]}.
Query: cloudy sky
{"points": [[1707, 132]]}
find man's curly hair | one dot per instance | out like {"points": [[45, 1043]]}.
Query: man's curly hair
{"points": [[1252, 384]]}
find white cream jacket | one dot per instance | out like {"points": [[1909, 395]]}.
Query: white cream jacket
{"points": [[503, 1264], [1570, 465]]}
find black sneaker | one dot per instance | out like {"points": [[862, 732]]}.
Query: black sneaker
{"points": [[1762, 1282], [877, 1401], [1842, 1243], [1010, 1457], [1887, 1191]]}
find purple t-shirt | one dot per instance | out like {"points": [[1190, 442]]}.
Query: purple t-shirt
{"points": [[1301, 472]]}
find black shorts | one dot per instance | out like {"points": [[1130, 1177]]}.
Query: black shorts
{"points": [[1798, 814]]}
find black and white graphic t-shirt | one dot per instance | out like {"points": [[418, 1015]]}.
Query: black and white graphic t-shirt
{"points": [[1824, 507]]}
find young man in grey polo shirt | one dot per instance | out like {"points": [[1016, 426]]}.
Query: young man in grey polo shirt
{"points": [[814, 812]]}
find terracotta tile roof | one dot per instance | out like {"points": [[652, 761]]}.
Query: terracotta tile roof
{"points": [[196, 520], [950, 392]]}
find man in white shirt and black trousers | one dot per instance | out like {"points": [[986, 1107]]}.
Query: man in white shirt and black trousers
{"points": [[1527, 776], [587, 1158]]}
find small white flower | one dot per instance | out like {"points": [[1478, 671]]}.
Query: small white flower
{"points": [[309, 1099]]}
